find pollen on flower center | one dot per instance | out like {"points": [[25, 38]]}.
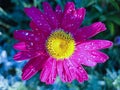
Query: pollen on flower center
{"points": [[60, 44]]}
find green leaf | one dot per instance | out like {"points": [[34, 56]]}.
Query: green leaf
{"points": [[110, 26], [114, 18], [86, 3], [98, 8], [115, 4]]}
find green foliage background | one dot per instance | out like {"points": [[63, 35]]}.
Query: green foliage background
{"points": [[104, 76]]}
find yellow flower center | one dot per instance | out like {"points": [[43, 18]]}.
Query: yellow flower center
{"points": [[60, 44]]}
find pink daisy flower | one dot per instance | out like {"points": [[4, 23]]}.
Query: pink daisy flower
{"points": [[57, 45]]}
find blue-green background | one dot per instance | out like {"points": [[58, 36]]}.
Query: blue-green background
{"points": [[104, 76]]}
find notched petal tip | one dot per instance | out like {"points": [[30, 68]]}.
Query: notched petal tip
{"points": [[106, 57], [81, 10], [69, 7], [81, 13], [99, 26]]}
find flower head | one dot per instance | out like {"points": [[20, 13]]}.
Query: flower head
{"points": [[57, 45]]}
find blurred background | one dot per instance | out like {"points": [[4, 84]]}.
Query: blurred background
{"points": [[104, 76]]}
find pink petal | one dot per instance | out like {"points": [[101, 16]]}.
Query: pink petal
{"points": [[25, 35], [83, 57], [49, 71], [69, 69], [34, 27], [60, 70], [72, 18], [33, 46], [98, 56], [69, 7], [38, 18], [68, 72], [81, 74], [73, 62], [59, 14], [45, 72], [38, 30], [77, 72], [53, 73], [66, 75], [25, 55], [50, 15], [94, 45], [89, 31], [64, 71], [33, 66], [30, 46], [33, 41], [20, 46], [22, 34]]}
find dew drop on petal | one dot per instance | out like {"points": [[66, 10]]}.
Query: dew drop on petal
{"points": [[26, 34]]}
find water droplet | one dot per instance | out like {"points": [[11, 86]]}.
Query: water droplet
{"points": [[31, 43], [26, 34], [52, 17], [32, 34]]}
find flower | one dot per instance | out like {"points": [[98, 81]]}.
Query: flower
{"points": [[57, 46]]}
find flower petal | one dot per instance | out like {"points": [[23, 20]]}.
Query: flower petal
{"points": [[59, 14], [33, 46], [49, 71], [33, 41], [50, 15], [81, 74], [34, 27], [77, 72], [94, 45], [72, 18], [53, 73], [88, 58], [38, 18], [89, 31], [20, 46], [37, 30], [33, 66], [69, 7], [25, 35], [70, 70], [83, 57], [22, 34], [60, 70], [98, 56], [36, 43], [66, 74], [25, 55]]}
